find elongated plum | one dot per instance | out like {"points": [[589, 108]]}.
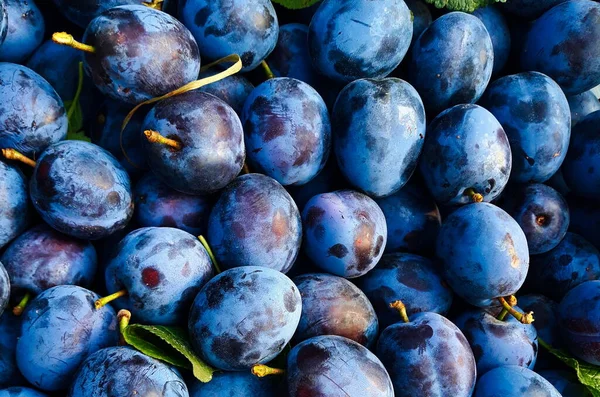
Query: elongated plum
{"points": [[25, 29], [15, 212], [291, 57], [512, 380]]}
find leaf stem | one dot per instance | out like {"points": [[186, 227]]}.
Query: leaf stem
{"points": [[77, 93], [210, 253], [398, 305], [267, 70], [18, 310], [100, 303], [123, 317]]}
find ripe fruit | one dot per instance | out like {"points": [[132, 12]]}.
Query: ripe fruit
{"points": [[81, 12], [512, 380], [4, 288], [237, 384], [24, 30], [581, 105], [21, 392], [15, 212], [497, 27], [233, 90], [10, 330], [545, 311], [291, 58]]}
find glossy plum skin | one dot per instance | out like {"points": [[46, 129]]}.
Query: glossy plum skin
{"points": [[237, 384], [212, 140], [313, 364], [410, 278], [585, 219], [130, 63], [162, 270], [562, 44], [542, 213], [233, 90], [379, 130], [18, 391], [60, 329], [43, 258], [5, 288], [535, 115], [332, 305], [483, 252], [581, 169], [10, 330], [291, 58], [25, 30], [15, 211], [497, 27], [566, 383], [81, 190], [353, 39], [81, 12], [451, 62], [244, 316], [429, 356], [287, 130], [156, 204], [512, 380], [579, 321], [529, 9], [466, 148], [544, 311], [32, 115], [581, 105], [223, 27], [255, 222], [122, 371], [344, 232]]}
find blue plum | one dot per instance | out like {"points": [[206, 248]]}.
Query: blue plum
{"points": [[562, 44], [412, 279], [421, 17], [344, 232], [60, 329], [335, 366], [497, 27], [81, 190], [451, 62], [514, 381], [332, 305], [542, 213], [130, 62], [21, 392], [428, 356], [581, 105], [579, 321], [211, 139], [162, 269], [287, 130], [291, 58], [237, 384], [353, 39], [530, 9], [15, 212], [243, 317], [43, 258], [223, 27], [566, 383], [379, 130], [3, 21], [233, 90], [585, 219], [32, 115], [122, 371], [5, 288], [535, 115], [81, 12], [25, 30], [544, 311], [255, 222], [10, 330], [466, 150], [156, 204], [483, 252]]}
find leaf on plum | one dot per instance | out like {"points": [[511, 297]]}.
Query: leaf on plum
{"points": [[296, 4]]}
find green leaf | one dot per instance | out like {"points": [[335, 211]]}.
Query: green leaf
{"points": [[588, 374], [296, 4], [169, 344], [463, 5], [75, 132]]}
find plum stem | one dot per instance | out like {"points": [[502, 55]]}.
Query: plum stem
{"points": [[474, 196], [100, 303], [67, 39], [77, 93], [123, 318], [512, 301], [524, 318], [245, 169], [261, 371], [155, 137], [398, 305], [267, 70], [12, 154], [540, 220], [18, 310], [156, 4], [210, 253]]}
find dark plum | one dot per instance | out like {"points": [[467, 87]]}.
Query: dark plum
{"points": [[18, 391], [24, 32], [344, 232], [512, 380], [544, 311], [81, 190], [335, 366], [421, 17], [379, 130], [10, 330], [585, 219], [15, 212], [291, 58], [255, 222], [233, 90], [5, 288], [566, 383], [243, 317], [530, 9], [81, 12], [3, 21], [237, 384], [581, 105], [497, 27]]}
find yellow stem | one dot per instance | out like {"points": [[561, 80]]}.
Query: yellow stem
{"points": [[156, 4], [107, 299], [524, 318], [398, 305], [155, 137], [67, 39], [210, 253], [18, 310], [267, 70], [475, 197], [261, 371], [12, 154]]}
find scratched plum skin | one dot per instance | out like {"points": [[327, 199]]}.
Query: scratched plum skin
{"points": [[344, 232], [130, 63], [18, 391], [212, 140], [223, 27], [466, 148], [60, 329], [353, 39], [24, 32], [43, 258], [287, 130], [255, 222], [81, 12], [10, 330], [535, 115], [15, 212], [379, 130], [512, 380], [233, 384], [162, 270], [123, 371], [244, 316], [451, 62], [81, 190], [429, 356], [332, 305], [412, 279], [581, 105], [483, 253], [32, 115], [334, 366], [233, 89], [5, 288], [497, 27]]}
